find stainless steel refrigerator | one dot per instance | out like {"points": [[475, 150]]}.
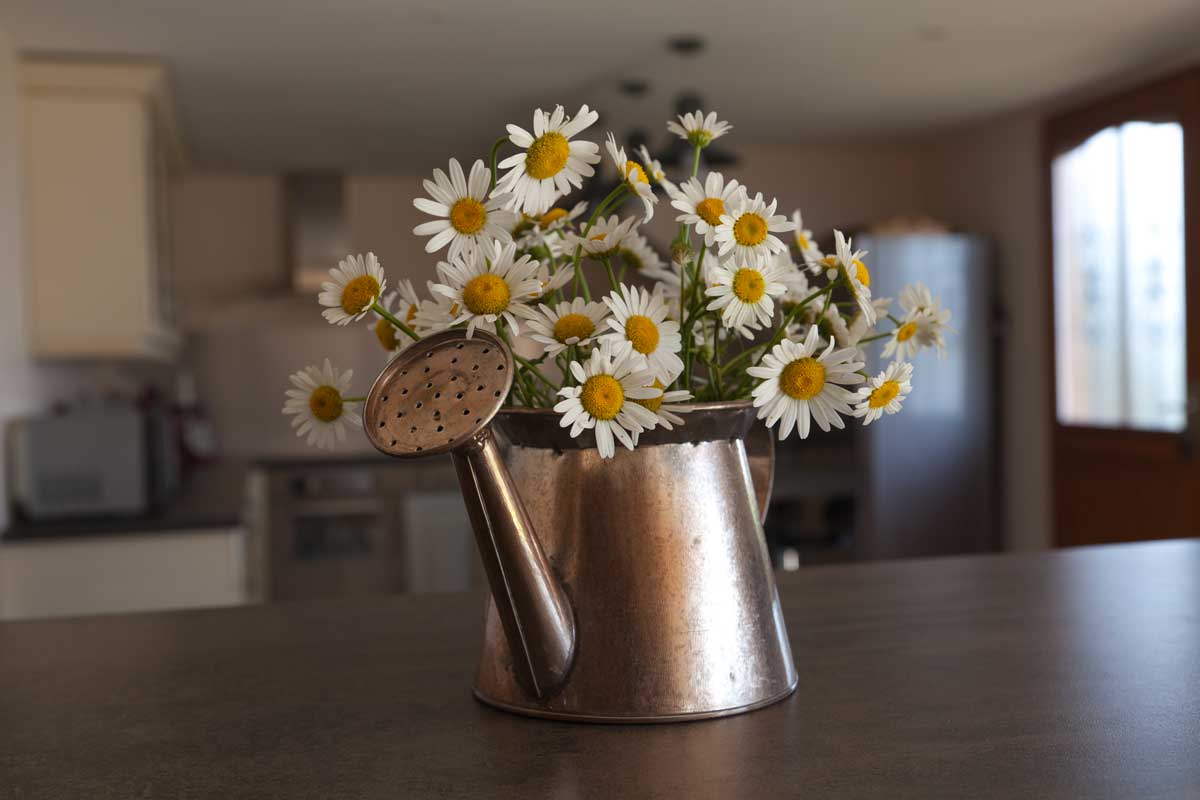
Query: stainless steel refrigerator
{"points": [[930, 471]]}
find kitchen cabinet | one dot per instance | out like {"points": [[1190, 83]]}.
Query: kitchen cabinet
{"points": [[99, 145], [113, 573]]}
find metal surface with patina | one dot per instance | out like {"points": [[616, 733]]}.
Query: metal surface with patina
{"points": [[633, 589]]}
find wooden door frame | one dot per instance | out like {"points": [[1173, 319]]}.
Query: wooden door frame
{"points": [[1176, 97]]}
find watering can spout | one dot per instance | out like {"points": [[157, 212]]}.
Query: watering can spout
{"points": [[533, 608], [439, 396]]}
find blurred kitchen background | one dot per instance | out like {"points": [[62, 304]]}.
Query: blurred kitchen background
{"points": [[172, 175]]}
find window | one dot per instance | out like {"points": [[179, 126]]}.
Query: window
{"points": [[1119, 306]]}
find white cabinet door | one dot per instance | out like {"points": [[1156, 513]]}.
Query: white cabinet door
{"points": [[140, 572], [95, 169]]}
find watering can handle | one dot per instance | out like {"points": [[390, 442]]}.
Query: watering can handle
{"points": [[760, 452]]}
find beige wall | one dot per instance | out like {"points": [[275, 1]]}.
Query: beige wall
{"points": [[988, 178], [381, 217]]}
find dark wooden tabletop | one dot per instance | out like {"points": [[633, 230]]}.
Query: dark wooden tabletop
{"points": [[1067, 674]]}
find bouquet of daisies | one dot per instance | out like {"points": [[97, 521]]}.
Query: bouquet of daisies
{"points": [[745, 305]]}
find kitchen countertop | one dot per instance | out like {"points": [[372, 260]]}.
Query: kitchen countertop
{"points": [[1063, 674], [211, 496]]}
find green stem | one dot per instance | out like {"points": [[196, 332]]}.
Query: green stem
{"points": [[580, 280], [533, 369], [779, 334], [686, 316], [612, 278], [390, 317], [696, 161], [492, 159], [874, 338]]}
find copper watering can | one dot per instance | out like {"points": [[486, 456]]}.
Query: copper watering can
{"points": [[636, 589]]}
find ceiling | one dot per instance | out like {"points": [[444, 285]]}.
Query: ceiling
{"points": [[399, 85]]}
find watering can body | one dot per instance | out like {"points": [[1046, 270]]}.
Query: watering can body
{"points": [[659, 554]]}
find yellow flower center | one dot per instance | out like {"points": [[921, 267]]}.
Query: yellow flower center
{"points": [[602, 396], [468, 216], [552, 216], [412, 313], [546, 157], [748, 285], [710, 210], [486, 294], [634, 173], [829, 261], [386, 335], [654, 403], [802, 240], [750, 229], [906, 331], [860, 272], [325, 403], [573, 326], [803, 378], [359, 294], [885, 394], [643, 333]]}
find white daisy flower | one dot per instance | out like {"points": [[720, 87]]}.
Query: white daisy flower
{"points": [[357, 283], [703, 205], [317, 401], [830, 324], [410, 301], [798, 384], [640, 324], [436, 314], [697, 129], [860, 328], [745, 295], [487, 285], [574, 322], [795, 281], [918, 330], [885, 392], [551, 163], [604, 239], [550, 281], [858, 278], [925, 322], [666, 406], [633, 175], [654, 171], [746, 228], [636, 253], [805, 242], [467, 217], [557, 218], [915, 298], [601, 401]]}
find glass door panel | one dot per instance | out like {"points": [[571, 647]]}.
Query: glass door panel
{"points": [[1119, 308]]}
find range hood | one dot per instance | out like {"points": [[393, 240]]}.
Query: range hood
{"points": [[317, 230]]}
